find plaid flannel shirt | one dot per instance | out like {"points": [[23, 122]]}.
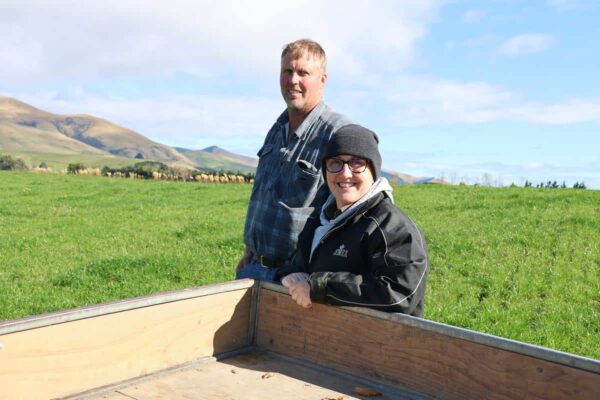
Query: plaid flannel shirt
{"points": [[289, 183]]}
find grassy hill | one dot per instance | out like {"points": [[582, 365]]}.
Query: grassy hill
{"points": [[24, 128], [21, 131], [59, 162], [521, 263]]}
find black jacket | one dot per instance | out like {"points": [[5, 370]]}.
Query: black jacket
{"points": [[375, 258]]}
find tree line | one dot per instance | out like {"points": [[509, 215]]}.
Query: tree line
{"points": [[554, 185], [140, 170], [158, 170]]}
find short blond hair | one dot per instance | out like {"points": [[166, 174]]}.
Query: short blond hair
{"points": [[308, 47]]}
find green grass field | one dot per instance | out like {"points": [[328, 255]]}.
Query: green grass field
{"points": [[513, 262]]}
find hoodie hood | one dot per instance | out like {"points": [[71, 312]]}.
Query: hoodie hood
{"points": [[380, 185]]}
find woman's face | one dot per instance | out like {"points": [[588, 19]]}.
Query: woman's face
{"points": [[345, 185]]}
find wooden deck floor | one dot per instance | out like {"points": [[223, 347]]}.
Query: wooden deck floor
{"points": [[257, 375]]}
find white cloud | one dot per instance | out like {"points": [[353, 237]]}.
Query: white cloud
{"points": [[571, 111], [64, 44], [422, 101], [473, 16], [560, 4], [74, 40], [571, 5], [535, 165], [414, 101], [25, 56], [526, 43]]}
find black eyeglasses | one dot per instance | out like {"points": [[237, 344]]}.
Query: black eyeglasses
{"points": [[356, 165]]}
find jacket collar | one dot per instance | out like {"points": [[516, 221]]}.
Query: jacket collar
{"points": [[380, 188]]}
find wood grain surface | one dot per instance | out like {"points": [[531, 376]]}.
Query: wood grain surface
{"points": [[414, 359], [254, 376], [73, 357]]}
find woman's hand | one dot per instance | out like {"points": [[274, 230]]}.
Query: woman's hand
{"points": [[301, 294], [297, 284]]}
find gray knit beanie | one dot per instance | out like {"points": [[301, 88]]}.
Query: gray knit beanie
{"points": [[357, 141]]}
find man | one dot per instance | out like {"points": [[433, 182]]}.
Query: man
{"points": [[288, 183]]}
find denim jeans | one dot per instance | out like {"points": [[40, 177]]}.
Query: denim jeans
{"points": [[254, 270]]}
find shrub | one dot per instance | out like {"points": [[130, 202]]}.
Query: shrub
{"points": [[74, 168], [9, 163]]}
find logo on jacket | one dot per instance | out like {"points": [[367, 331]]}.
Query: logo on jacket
{"points": [[341, 251]]}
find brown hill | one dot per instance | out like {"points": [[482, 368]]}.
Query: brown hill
{"points": [[26, 128], [250, 161]]}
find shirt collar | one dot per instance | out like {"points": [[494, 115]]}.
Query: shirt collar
{"points": [[308, 121]]}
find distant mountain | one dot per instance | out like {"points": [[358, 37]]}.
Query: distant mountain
{"points": [[429, 180], [253, 161], [26, 128], [215, 158], [405, 179]]}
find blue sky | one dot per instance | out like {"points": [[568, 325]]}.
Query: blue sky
{"points": [[501, 91]]}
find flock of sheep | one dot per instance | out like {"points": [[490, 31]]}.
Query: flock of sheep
{"points": [[172, 176]]}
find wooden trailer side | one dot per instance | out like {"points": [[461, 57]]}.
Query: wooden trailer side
{"points": [[44, 357], [419, 356]]}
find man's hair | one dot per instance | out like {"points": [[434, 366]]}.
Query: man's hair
{"points": [[308, 47]]}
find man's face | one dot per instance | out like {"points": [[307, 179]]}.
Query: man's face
{"points": [[302, 81]]}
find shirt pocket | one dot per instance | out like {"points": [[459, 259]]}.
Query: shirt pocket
{"points": [[304, 184], [265, 164]]}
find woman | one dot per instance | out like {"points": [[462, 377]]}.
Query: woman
{"points": [[362, 250]]}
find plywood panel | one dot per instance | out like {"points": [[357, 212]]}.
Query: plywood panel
{"points": [[414, 359], [251, 376], [72, 357]]}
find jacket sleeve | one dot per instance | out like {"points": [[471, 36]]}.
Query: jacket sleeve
{"points": [[296, 264], [394, 275]]}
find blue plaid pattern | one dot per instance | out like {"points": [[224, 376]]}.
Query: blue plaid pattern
{"points": [[256, 271], [289, 184]]}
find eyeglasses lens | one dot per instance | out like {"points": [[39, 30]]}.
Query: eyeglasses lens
{"points": [[335, 165]]}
